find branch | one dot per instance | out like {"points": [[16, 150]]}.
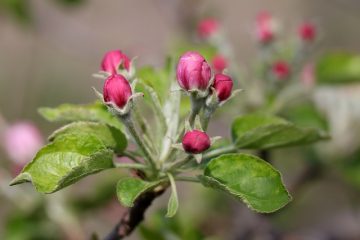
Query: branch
{"points": [[265, 155], [134, 216]]}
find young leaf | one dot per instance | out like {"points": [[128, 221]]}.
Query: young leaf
{"points": [[173, 203], [129, 189], [96, 112], [157, 79], [65, 161], [112, 137], [260, 131], [248, 178]]}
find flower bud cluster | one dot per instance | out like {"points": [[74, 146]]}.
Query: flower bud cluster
{"points": [[117, 91], [194, 75], [266, 29]]}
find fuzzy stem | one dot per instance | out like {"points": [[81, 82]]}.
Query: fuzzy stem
{"points": [[130, 165], [220, 151], [181, 163], [196, 105], [187, 179], [141, 121], [208, 111], [126, 119]]}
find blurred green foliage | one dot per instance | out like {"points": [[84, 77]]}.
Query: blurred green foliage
{"points": [[306, 115], [161, 228], [33, 225], [205, 50], [19, 9], [351, 168], [338, 68], [70, 2]]}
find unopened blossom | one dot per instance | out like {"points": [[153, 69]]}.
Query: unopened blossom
{"points": [[196, 142], [223, 86], [193, 72], [117, 90], [115, 60]]}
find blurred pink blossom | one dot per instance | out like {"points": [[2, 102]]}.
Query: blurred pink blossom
{"points": [[207, 27], [307, 32], [219, 63], [265, 27], [21, 142], [281, 70], [308, 75]]}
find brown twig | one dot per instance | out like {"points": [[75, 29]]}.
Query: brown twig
{"points": [[135, 215], [265, 155]]}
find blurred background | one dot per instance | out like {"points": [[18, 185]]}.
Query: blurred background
{"points": [[48, 51]]}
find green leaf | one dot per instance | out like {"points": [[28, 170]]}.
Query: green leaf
{"points": [[157, 79], [129, 189], [173, 203], [306, 115], [259, 131], [65, 161], [95, 112], [111, 137], [338, 68], [248, 178]]}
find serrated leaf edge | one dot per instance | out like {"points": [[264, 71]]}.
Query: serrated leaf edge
{"points": [[241, 195]]}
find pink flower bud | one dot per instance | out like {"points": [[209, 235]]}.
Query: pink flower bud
{"points": [[219, 63], [281, 70], [207, 27], [113, 60], [223, 85], [196, 141], [307, 32], [193, 72], [21, 141], [264, 27], [117, 90]]}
